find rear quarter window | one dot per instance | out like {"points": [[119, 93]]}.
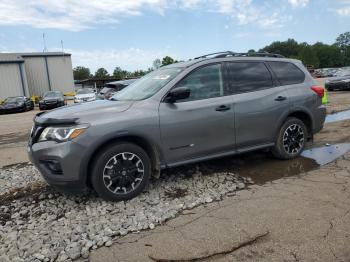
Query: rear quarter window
{"points": [[287, 73]]}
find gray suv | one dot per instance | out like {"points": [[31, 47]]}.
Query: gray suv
{"points": [[212, 106]]}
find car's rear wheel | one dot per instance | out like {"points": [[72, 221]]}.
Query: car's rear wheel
{"points": [[121, 172], [291, 139]]}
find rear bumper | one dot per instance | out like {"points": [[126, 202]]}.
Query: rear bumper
{"points": [[68, 158], [319, 119]]}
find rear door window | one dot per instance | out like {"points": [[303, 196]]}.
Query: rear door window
{"points": [[245, 77], [287, 73]]}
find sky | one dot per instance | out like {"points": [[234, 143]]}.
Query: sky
{"points": [[131, 34]]}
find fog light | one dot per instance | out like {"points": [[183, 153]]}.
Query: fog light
{"points": [[54, 166]]}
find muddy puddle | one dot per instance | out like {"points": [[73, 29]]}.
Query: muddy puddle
{"points": [[344, 115], [262, 167], [266, 170]]}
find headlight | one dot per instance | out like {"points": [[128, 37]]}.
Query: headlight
{"points": [[346, 80], [61, 134]]}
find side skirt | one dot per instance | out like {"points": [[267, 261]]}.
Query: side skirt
{"points": [[218, 155]]}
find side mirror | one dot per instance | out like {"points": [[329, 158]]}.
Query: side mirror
{"points": [[177, 93]]}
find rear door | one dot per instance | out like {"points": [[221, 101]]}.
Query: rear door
{"points": [[258, 102], [201, 124]]}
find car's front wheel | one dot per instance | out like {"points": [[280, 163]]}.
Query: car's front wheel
{"points": [[291, 139], [121, 172]]}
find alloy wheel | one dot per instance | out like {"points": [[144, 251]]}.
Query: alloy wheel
{"points": [[123, 173], [293, 139]]}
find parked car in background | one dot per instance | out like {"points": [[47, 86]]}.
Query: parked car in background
{"points": [[16, 104], [51, 99], [84, 95], [341, 81], [213, 106], [113, 87]]}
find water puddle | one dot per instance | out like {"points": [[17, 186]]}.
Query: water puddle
{"points": [[344, 115], [266, 170]]}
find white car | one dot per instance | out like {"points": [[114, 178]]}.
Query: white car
{"points": [[84, 95]]}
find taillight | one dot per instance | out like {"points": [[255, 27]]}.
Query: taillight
{"points": [[319, 90]]}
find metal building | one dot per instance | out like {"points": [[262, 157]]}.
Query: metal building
{"points": [[13, 81], [35, 73]]}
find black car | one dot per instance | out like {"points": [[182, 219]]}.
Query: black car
{"points": [[341, 81], [51, 99], [113, 87], [16, 104]]}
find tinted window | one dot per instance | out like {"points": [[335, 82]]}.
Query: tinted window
{"points": [[287, 73], [247, 77], [205, 82]]}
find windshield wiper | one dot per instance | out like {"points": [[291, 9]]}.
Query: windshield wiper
{"points": [[113, 99]]}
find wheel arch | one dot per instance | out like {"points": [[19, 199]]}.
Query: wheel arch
{"points": [[304, 116], [150, 148]]}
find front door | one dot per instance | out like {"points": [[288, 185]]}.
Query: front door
{"points": [[202, 124]]}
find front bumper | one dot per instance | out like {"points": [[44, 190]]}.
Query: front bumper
{"points": [[67, 156], [11, 110], [51, 106]]}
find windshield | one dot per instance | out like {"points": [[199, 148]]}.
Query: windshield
{"points": [[85, 91], [13, 100], [52, 94], [148, 85]]}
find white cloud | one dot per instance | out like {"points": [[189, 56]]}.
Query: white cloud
{"points": [[247, 12], [298, 3], [75, 15], [344, 11]]}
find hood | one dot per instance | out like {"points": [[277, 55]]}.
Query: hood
{"points": [[87, 112], [11, 105], [85, 96]]}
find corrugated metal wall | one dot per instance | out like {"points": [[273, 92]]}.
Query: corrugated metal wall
{"points": [[61, 73], [10, 81], [38, 82]]}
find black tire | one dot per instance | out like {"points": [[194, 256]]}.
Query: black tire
{"points": [[285, 149], [122, 173]]}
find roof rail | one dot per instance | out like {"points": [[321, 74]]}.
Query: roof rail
{"points": [[218, 54], [233, 54]]}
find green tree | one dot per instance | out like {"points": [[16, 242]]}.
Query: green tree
{"points": [[157, 63], [119, 73], [101, 72], [289, 48], [168, 60], [81, 72], [329, 55], [308, 55], [343, 42]]}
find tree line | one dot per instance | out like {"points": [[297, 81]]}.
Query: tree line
{"points": [[318, 55], [81, 72]]}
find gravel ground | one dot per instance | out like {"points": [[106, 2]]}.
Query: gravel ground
{"points": [[49, 226], [18, 176]]}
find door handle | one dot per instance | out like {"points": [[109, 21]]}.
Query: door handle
{"points": [[222, 108], [280, 98]]}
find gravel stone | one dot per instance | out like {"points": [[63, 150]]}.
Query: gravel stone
{"points": [[50, 226]]}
